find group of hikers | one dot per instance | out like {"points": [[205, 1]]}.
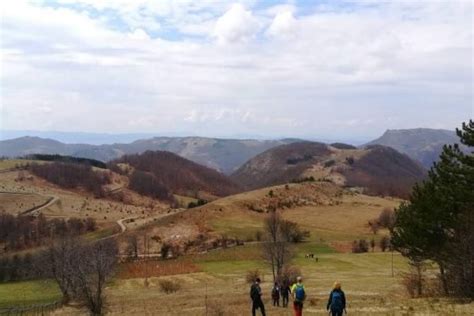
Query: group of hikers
{"points": [[336, 305]]}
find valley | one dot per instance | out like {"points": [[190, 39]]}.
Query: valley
{"points": [[214, 226], [213, 282]]}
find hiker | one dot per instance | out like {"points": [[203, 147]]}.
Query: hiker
{"points": [[256, 296], [299, 295], [285, 293], [337, 301], [276, 295]]}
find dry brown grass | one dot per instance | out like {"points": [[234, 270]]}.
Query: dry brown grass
{"points": [[76, 203], [18, 203], [154, 268]]}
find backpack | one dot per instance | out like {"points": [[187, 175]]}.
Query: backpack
{"points": [[275, 292], [299, 293], [254, 293], [336, 301]]}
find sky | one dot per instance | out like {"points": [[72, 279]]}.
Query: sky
{"points": [[323, 69]]}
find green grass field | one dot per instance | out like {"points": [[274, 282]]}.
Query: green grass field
{"points": [[28, 293], [366, 278], [12, 163]]}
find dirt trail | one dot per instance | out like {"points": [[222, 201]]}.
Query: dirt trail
{"points": [[51, 199]]}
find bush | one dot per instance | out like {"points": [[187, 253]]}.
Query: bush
{"points": [[198, 203], [252, 275], [329, 163], [288, 275], [414, 280], [292, 232], [386, 218], [168, 286], [384, 243], [305, 179], [165, 250], [360, 246]]}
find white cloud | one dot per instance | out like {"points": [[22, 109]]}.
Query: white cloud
{"points": [[236, 25], [283, 25], [139, 34], [313, 70]]}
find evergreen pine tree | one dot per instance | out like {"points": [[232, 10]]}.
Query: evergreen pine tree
{"points": [[438, 222]]}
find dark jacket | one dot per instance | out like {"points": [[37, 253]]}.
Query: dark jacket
{"points": [[255, 292], [343, 297], [285, 291]]}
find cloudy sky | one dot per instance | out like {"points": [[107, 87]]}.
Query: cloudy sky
{"points": [[316, 69]]}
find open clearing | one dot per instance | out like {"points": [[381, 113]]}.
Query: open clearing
{"points": [[221, 286], [28, 293], [214, 283], [70, 203], [16, 203]]}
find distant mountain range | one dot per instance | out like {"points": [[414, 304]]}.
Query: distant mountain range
{"points": [[224, 155], [422, 144], [380, 170]]}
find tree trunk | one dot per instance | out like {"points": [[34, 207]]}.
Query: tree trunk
{"points": [[444, 282]]}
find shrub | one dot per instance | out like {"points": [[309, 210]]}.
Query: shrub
{"points": [[165, 250], [329, 163], [252, 275], [289, 275], [360, 246], [305, 179], [384, 243], [386, 218], [292, 232], [414, 281], [374, 226], [168, 286], [199, 202]]}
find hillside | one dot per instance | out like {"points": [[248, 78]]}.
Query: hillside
{"points": [[378, 169], [422, 144], [224, 155], [384, 171], [153, 171], [34, 145], [280, 165]]}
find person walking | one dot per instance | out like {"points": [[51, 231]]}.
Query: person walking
{"points": [[276, 294], [285, 293], [337, 301], [256, 296], [298, 294]]}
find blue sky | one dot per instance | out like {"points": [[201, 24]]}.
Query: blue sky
{"points": [[313, 69]]}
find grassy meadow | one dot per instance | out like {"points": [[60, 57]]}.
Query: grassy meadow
{"points": [[213, 283], [218, 286]]}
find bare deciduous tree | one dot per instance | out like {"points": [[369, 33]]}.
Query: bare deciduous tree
{"points": [[82, 270], [96, 264], [132, 248], [276, 249], [386, 218], [60, 262]]}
